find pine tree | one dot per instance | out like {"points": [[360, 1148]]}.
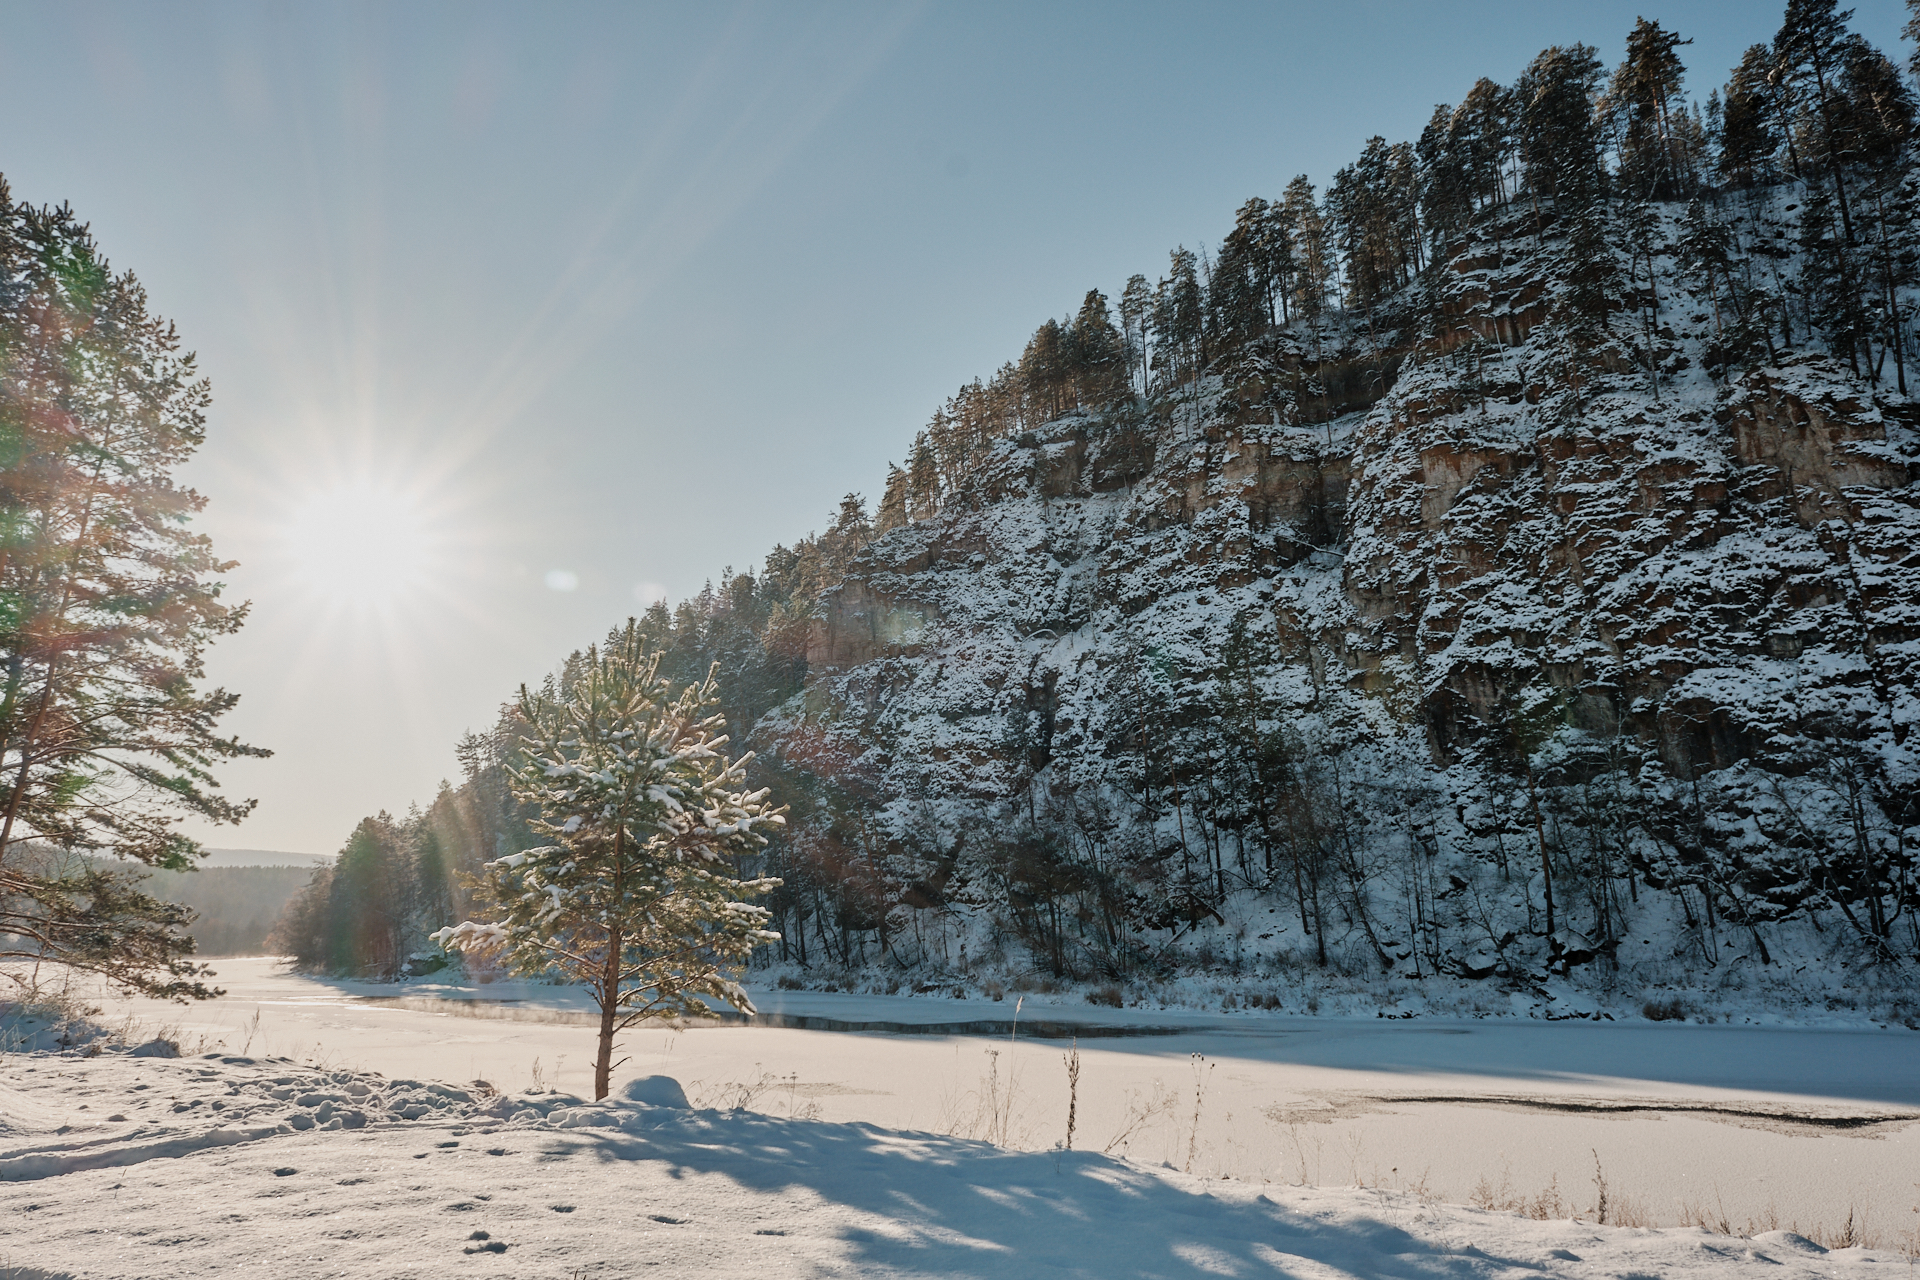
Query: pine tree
{"points": [[1236, 302], [1252, 227], [1749, 133], [1372, 206], [1313, 252], [1484, 124], [1810, 49], [893, 501], [1875, 124], [1559, 141], [368, 899], [1277, 247], [1826, 281], [1179, 318], [1706, 252], [1446, 186], [1912, 32], [1096, 354], [847, 536], [1136, 311], [108, 600], [1593, 278], [1874, 109], [1640, 224], [1645, 103], [637, 896], [1045, 373], [923, 480], [435, 846]]}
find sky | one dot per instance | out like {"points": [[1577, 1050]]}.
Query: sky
{"points": [[519, 317]]}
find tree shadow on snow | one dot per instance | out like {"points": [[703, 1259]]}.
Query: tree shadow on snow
{"points": [[944, 1206]]}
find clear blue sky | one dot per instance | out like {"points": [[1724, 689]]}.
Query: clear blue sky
{"points": [[614, 296]]}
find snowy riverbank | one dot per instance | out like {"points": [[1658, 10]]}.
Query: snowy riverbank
{"points": [[890, 1153], [140, 1167]]}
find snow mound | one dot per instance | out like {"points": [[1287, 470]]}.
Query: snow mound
{"points": [[657, 1091]]}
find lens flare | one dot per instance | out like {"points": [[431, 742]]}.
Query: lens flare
{"points": [[360, 546]]}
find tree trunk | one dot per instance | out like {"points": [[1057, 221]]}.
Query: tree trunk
{"points": [[1540, 834], [609, 998]]}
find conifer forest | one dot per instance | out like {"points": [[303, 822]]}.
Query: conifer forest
{"points": [[1489, 579]]}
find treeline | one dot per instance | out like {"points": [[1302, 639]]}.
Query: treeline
{"points": [[1568, 143], [1788, 199]]}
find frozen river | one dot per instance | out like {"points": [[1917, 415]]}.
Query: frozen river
{"points": [[1751, 1126]]}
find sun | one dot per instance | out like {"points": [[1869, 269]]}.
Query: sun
{"points": [[360, 546]]}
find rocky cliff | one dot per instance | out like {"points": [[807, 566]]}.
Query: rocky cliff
{"points": [[1478, 656]]}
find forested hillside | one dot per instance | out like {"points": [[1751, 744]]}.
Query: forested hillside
{"points": [[1491, 582]]}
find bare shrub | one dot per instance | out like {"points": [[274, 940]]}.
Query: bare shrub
{"points": [[1849, 1234], [989, 1111], [1695, 1213], [1613, 1207], [1547, 1204], [1140, 1114], [1202, 1074]]}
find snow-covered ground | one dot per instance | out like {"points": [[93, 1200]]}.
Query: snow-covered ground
{"points": [[1231, 1147]]}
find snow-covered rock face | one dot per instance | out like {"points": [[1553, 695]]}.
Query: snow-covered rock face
{"points": [[1593, 608]]}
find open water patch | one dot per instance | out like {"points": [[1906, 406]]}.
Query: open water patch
{"points": [[515, 1010]]}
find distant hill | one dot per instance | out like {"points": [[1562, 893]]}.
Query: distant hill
{"points": [[236, 906], [238, 894], [263, 858]]}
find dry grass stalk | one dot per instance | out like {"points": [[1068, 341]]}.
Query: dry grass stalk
{"points": [[1072, 1059]]}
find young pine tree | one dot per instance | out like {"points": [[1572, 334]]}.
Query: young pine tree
{"points": [[636, 897]]}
